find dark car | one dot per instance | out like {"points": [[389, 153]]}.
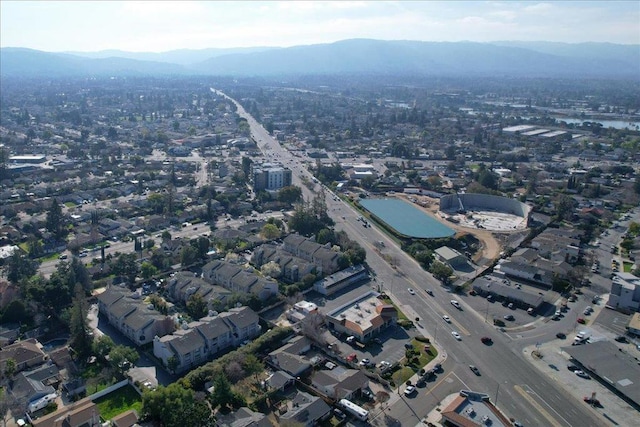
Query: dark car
{"points": [[437, 367], [572, 368], [621, 338], [592, 401], [561, 335], [475, 370], [509, 317], [429, 291], [486, 340]]}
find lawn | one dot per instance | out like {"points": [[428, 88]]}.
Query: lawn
{"points": [[627, 266], [117, 402], [407, 371]]}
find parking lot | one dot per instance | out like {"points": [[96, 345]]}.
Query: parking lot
{"points": [[513, 316], [555, 364]]}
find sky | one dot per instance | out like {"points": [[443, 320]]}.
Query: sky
{"points": [[149, 26]]}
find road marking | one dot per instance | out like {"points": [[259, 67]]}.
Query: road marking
{"points": [[537, 406]]}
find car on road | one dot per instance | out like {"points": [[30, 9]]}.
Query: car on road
{"points": [[486, 340], [509, 317], [573, 368], [474, 369], [456, 335], [409, 390], [446, 318], [411, 291], [582, 374], [429, 291], [456, 304], [561, 335]]}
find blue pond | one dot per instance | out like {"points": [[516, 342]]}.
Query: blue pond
{"points": [[406, 219]]}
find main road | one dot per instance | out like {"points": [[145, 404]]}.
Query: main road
{"points": [[506, 376]]}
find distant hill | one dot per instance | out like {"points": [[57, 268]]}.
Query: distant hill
{"points": [[179, 56], [376, 57], [347, 57], [35, 63]]}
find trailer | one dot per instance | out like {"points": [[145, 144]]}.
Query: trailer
{"points": [[359, 412]]}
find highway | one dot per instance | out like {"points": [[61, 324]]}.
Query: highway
{"points": [[506, 376]]}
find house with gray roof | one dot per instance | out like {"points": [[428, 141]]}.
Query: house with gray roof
{"points": [[26, 354], [197, 342], [134, 319], [242, 417], [340, 383], [234, 278], [29, 386], [305, 410]]}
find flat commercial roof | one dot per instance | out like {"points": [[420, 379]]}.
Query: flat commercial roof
{"points": [[496, 287], [536, 132], [605, 361], [519, 128]]}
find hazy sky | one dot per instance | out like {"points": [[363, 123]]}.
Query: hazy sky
{"points": [[160, 26]]}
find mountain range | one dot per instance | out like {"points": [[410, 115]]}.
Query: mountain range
{"points": [[347, 57]]}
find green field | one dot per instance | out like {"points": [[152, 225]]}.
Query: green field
{"points": [[119, 401]]}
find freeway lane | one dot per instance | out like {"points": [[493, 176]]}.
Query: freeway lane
{"points": [[506, 376]]}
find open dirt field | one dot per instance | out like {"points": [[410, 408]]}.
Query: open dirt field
{"points": [[491, 247]]}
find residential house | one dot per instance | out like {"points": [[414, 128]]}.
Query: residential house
{"points": [[234, 278], [137, 321], [196, 342], [184, 284], [340, 383], [242, 417], [128, 418], [292, 268], [29, 386], [83, 413], [26, 354], [305, 410], [325, 259]]}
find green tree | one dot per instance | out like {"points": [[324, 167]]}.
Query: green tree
{"points": [[172, 363], [80, 339], [197, 306], [188, 255], [291, 194], [148, 270], [270, 232], [55, 221], [20, 267], [121, 357], [15, 312], [102, 346], [176, 406], [441, 271], [222, 395], [126, 265], [10, 368]]}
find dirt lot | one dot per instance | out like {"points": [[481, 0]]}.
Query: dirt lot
{"points": [[491, 247]]}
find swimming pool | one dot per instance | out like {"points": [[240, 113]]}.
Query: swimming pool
{"points": [[53, 344], [406, 219]]}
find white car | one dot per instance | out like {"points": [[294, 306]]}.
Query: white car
{"points": [[411, 291], [582, 374], [455, 303], [409, 390], [446, 318], [456, 335]]}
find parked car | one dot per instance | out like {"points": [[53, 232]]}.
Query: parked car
{"points": [[474, 369], [409, 390], [572, 368], [364, 362], [509, 317], [621, 338], [581, 320], [561, 335], [582, 374]]}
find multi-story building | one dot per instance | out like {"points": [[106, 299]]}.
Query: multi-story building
{"points": [[270, 176]]}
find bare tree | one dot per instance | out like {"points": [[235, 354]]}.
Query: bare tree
{"points": [[312, 327], [234, 371]]}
